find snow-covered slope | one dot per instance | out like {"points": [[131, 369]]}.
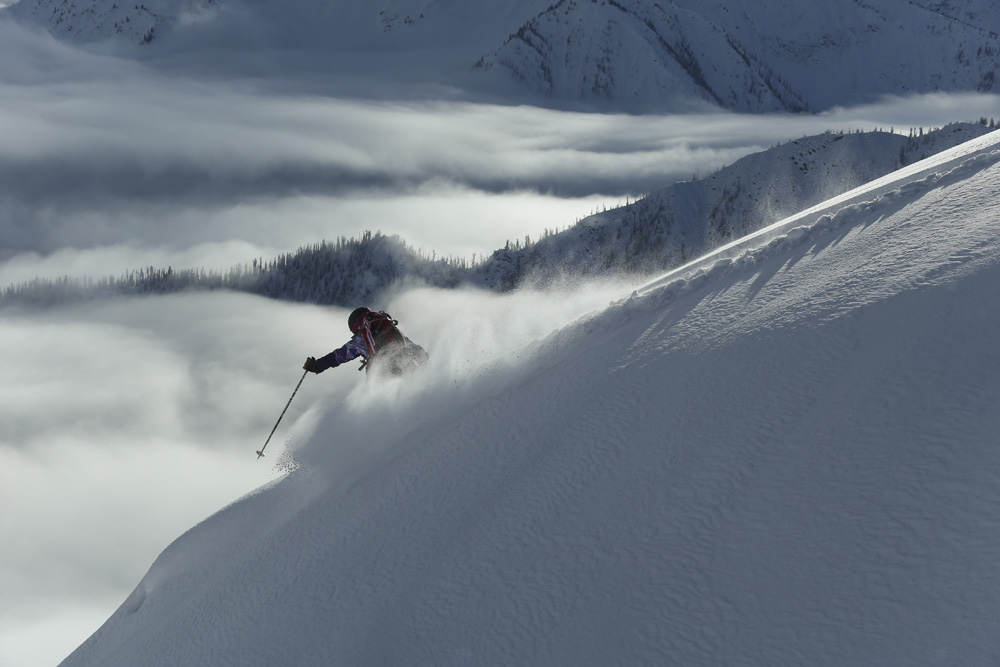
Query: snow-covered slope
{"points": [[639, 55], [783, 454], [682, 221]]}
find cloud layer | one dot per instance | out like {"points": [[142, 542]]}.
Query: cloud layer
{"points": [[122, 425], [105, 152]]}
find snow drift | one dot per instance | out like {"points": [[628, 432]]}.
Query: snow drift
{"points": [[782, 454]]}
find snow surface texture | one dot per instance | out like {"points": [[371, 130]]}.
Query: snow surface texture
{"points": [[760, 56], [783, 454]]}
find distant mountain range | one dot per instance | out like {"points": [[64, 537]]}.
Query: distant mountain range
{"points": [[631, 55], [660, 231]]}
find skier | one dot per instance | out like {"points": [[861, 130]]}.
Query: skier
{"points": [[378, 340]]}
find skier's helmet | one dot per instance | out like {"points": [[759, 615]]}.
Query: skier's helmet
{"points": [[357, 317]]}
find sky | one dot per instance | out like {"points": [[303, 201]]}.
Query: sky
{"points": [[122, 423]]}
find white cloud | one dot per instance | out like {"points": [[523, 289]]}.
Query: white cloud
{"points": [[115, 260], [45, 638], [123, 424]]}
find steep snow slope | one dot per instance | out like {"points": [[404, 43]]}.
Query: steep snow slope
{"points": [[783, 454]]}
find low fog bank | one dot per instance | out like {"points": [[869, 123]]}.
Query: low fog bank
{"points": [[446, 222], [121, 425]]}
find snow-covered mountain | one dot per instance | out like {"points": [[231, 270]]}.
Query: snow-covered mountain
{"points": [[762, 55], [781, 454], [759, 56]]}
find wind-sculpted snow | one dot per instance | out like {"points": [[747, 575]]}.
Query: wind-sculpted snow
{"points": [[874, 200], [781, 455]]}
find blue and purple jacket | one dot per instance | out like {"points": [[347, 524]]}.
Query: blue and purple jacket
{"points": [[359, 346], [363, 345]]}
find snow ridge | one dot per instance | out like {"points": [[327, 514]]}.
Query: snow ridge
{"points": [[809, 227]]}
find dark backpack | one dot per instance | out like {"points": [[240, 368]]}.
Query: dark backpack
{"points": [[384, 330], [396, 354]]}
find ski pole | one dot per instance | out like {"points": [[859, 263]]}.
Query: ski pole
{"points": [[260, 452]]}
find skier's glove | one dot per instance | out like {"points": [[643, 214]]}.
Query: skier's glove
{"points": [[308, 366]]}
